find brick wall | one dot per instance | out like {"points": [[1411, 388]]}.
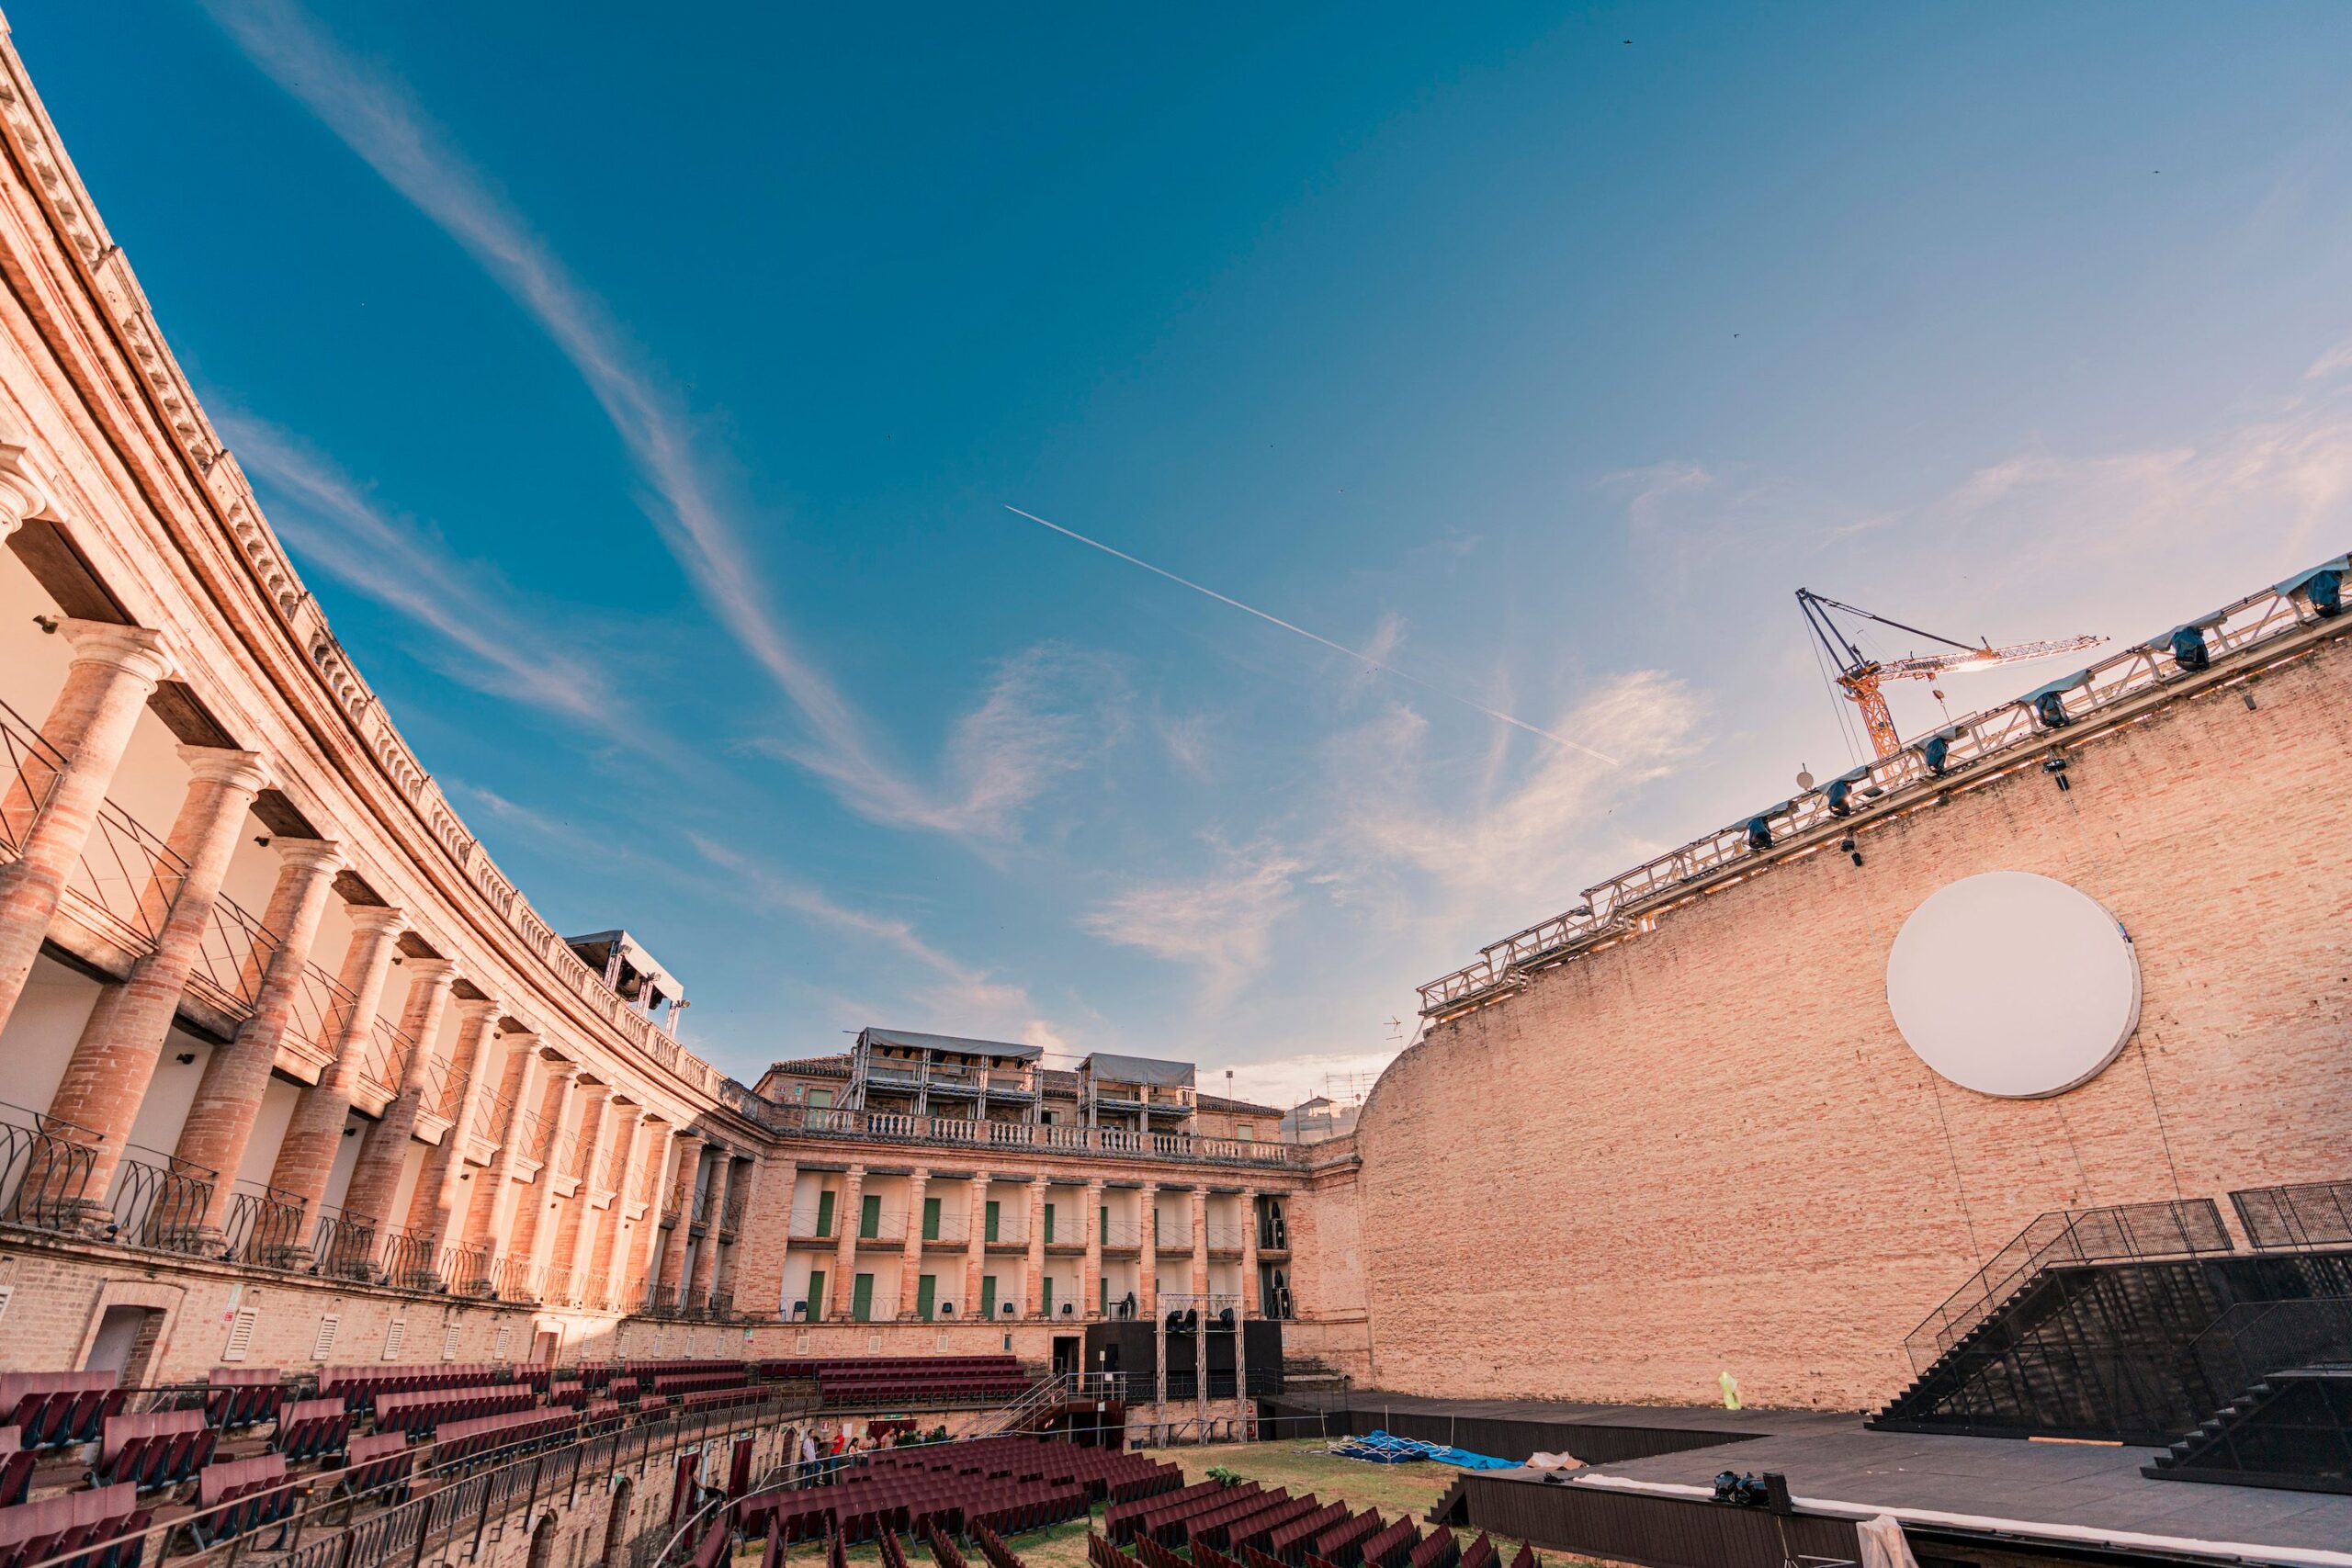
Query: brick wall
{"points": [[1708, 1148]]}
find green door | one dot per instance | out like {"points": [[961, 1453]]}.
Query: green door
{"points": [[869, 1216], [816, 1292], [860, 1299], [1049, 1225], [931, 1219], [1103, 1298], [1102, 1222], [988, 1289], [926, 1288], [825, 1214], [1046, 1297], [990, 1235]]}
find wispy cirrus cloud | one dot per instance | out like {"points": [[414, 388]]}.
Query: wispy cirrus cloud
{"points": [[377, 117], [332, 521], [961, 996], [1221, 925]]}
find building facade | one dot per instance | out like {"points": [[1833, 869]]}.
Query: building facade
{"points": [[288, 1063]]}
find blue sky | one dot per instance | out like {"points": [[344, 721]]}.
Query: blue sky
{"points": [[643, 392]]}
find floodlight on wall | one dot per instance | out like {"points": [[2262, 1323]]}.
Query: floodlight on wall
{"points": [[2321, 590], [1068, 1309], [1006, 1310], [1176, 1320], [2056, 768], [947, 1309], [1226, 1317], [799, 1311]]}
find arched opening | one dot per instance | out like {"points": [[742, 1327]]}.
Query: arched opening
{"points": [[616, 1525], [542, 1554]]}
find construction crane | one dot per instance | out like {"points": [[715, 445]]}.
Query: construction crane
{"points": [[1861, 675]]}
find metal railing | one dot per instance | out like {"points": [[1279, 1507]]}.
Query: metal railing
{"points": [[406, 1260], [343, 1246], [28, 770], [322, 1007], [730, 1218], [1226, 1235], [559, 1286], [701, 1206], [265, 1223], [536, 1135], [904, 1127], [610, 1171], [516, 1280], [1121, 1233], [46, 1164], [384, 1059], [596, 1293], [2307, 1214], [123, 884], [955, 1227], [158, 1199], [489, 1116], [465, 1271], [2184, 1228], [2253, 1339], [805, 1224], [235, 953], [1615, 907]]}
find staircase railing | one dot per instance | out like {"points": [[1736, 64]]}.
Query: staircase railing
{"points": [[2253, 1339], [2184, 1228], [2312, 1214], [1046, 1393]]}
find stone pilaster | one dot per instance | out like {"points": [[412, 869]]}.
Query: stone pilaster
{"points": [[1248, 1252], [376, 1179], [115, 671], [844, 1277], [1147, 1265], [671, 1283], [910, 1255], [577, 1234], [437, 1211], [705, 1276], [1090, 1279], [767, 1230], [1201, 1242], [1033, 1271], [306, 1155], [219, 1125], [519, 1085], [976, 1250], [537, 1235], [113, 1063]]}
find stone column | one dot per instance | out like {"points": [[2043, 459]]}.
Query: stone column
{"points": [[634, 1252], [740, 1180], [519, 1085], [767, 1231], [114, 1061], [1032, 1272], [1090, 1279], [911, 1256], [115, 669], [1248, 1252], [705, 1276], [219, 1125], [376, 1179], [306, 1157], [1147, 1264], [671, 1282], [575, 1237], [436, 1211], [976, 1250], [1201, 1242], [538, 1235], [844, 1276], [605, 1260]]}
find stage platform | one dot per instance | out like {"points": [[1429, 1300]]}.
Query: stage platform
{"points": [[2065, 1494]]}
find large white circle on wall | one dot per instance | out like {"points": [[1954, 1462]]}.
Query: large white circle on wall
{"points": [[2014, 984]]}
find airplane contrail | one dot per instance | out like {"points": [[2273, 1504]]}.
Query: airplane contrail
{"points": [[1364, 658]]}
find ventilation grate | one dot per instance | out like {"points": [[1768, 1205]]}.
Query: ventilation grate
{"points": [[240, 1334], [323, 1346]]}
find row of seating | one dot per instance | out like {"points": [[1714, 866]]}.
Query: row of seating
{"points": [[1393, 1546], [55, 1410], [1106, 1473], [378, 1466], [1343, 1546], [1440, 1551], [424, 1410], [698, 1382], [1169, 1522], [910, 1390], [801, 1368], [243, 1396], [105, 1523], [993, 1549], [1252, 1525], [506, 1435], [1290, 1543], [155, 1450], [243, 1494]]}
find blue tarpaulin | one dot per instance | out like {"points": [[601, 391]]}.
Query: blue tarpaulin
{"points": [[1380, 1447]]}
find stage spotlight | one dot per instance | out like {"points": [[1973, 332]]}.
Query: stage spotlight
{"points": [[2056, 768], [1759, 832], [1225, 1318], [1834, 795], [2325, 591], [947, 1309], [1176, 1320], [2049, 707], [1934, 752]]}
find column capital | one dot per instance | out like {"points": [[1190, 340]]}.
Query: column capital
{"points": [[321, 856], [443, 970], [134, 648], [1095, 1184], [23, 491], [475, 1009], [688, 1136], [560, 1069], [227, 765], [375, 920]]}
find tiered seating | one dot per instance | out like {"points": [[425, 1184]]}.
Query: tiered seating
{"points": [[243, 1396], [424, 1410], [381, 1463], [943, 1551], [1249, 1522], [1440, 1551], [1342, 1546], [999, 1554], [505, 1435], [672, 1383], [1393, 1546], [1152, 1554], [646, 1371], [104, 1524], [724, 1398], [243, 1494], [1123, 1522], [16, 1468], [313, 1428], [1481, 1554], [153, 1451], [362, 1386], [903, 1381], [55, 1410], [1289, 1543], [1100, 1554]]}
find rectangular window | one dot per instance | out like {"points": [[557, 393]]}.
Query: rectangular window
{"points": [[869, 1215], [931, 1219], [1246, 1133], [821, 1099], [1049, 1222], [816, 1295], [1045, 1295], [990, 1233], [825, 1212]]}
